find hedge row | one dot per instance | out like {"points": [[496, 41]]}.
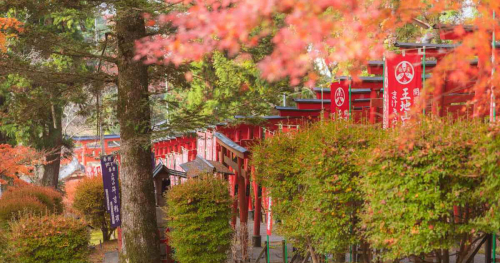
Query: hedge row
{"points": [[28, 198], [33, 229], [410, 191], [199, 212], [50, 238]]}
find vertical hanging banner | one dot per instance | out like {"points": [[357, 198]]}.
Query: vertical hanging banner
{"points": [[111, 188], [402, 84], [269, 216], [339, 99]]}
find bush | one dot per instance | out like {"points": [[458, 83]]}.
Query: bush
{"points": [[50, 238], [12, 209], [28, 198], [313, 178], [199, 212], [89, 200], [420, 188], [488, 160], [3, 246]]}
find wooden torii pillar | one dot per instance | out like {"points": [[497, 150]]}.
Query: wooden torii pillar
{"points": [[233, 156]]}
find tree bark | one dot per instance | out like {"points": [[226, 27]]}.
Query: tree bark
{"points": [[445, 256], [141, 241], [52, 144]]}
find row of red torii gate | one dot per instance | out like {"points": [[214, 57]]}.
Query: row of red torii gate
{"points": [[385, 97]]}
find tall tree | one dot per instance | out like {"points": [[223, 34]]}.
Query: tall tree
{"points": [[141, 240], [132, 77], [34, 103]]}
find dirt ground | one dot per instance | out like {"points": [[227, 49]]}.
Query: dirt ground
{"points": [[97, 254]]}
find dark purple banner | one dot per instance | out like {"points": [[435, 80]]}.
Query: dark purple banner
{"points": [[111, 191]]}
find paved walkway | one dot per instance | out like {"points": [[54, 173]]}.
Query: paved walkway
{"points": [[276, 245], [111, 257]]}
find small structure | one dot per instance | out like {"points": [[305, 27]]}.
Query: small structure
{"points": [[201, 166], [163, 179]]}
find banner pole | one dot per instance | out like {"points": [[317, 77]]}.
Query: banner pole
{"points": [[268, 256], [423, 77], [493, 47], [350, 98], [385, 121], [493, 44], [286, 251], [493, 41], [494, 248]]}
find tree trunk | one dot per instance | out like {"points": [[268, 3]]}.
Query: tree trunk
{"points": [[445, 256], [314, 256], [141, 241], [105, 234], [52, 143]]}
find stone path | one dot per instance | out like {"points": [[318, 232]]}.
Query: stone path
{"points": [[111, 257]]}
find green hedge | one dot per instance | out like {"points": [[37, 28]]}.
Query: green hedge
{"points": [[313, 178], [48, 239], [3, 246], [199, 212], [414, 181]]}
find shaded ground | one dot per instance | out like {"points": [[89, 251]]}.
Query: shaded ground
{"points": [[97, 254], [108, 252]]}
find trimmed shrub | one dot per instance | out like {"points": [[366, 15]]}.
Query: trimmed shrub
{"points": [[487, 160], [51, 198], [420, 188], [313, 178], [12, 209], [3, 246], [199, 212], [29, 198], [89, 200], [50, 238]]}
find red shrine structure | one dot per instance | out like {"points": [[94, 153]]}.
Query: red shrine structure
{"points": [[230, 145], [87, 150]]}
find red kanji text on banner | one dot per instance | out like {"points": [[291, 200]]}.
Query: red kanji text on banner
{"points": [[402, 84], [269, 216], [339, 96]]}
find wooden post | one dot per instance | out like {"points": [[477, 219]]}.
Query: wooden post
{"points": [[488, 248], [267, 249], [437, 101], [243, 205], [257, 239], [373, 108]]}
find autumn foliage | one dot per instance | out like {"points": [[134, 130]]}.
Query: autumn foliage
{"points": [[313, 176], [427, 189], [8, 28], [338, 31], [29, 199], [16, 161], [422, 192], [90, 201], [50, 238]]}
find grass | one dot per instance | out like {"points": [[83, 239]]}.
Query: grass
{"points": [[96, 237]]}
